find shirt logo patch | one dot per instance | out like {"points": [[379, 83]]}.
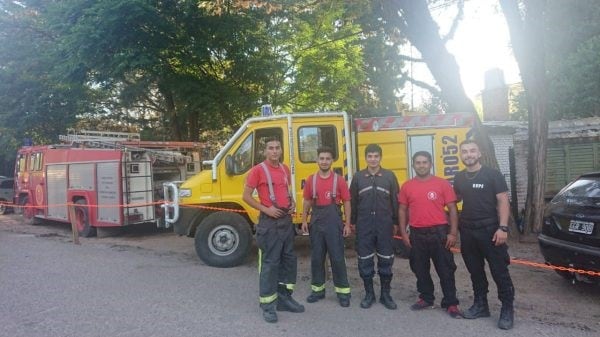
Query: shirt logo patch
{"points": [[478, 186], [432, 195], [328, 195]]}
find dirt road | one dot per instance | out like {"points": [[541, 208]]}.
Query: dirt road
{"points": [[542, 297]]}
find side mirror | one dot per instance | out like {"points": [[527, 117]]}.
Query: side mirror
{"points": [[229, 165]]}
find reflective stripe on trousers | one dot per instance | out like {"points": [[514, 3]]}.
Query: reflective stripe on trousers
{"points": [[326, 236]]}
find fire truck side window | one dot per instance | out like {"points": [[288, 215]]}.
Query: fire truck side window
{"points": [[35, 162], [310, 138], [262, 135], [242, 158], [21, 163]]}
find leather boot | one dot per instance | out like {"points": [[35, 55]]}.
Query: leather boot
{"points": [[506, 316], [285, 301], [479, 308], [385, 298], [369, 299], [315, 296], [268, 311]]}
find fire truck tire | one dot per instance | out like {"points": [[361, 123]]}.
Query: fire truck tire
{"points": [[82, 219], [223, 239], [25, 211]]}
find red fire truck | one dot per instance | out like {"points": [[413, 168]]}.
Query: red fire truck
{"points": [[112, 178]]}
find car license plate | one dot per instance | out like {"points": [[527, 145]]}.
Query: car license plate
{"points": [[584, 227]]}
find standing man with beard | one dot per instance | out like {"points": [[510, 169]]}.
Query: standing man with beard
{"points": [[324, 191], [275, 232], [422, 205], [484, 231], [374, 195]]}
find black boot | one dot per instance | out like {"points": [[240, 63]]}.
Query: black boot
{"points": [[385, 298], [506, 316], [344, 300], [269, 313], [479, 308], [315, 296], [285, 302], [369, 299]]}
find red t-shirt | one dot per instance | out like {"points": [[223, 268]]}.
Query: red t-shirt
{"points": [[324, 189], [426, 200], [257, 179]]}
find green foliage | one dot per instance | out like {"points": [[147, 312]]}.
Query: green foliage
{"points": [[572, 48]]}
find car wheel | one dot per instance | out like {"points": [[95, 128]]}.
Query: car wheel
{"points": [[223, 239]]}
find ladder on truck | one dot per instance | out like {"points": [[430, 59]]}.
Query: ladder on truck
{"points": [[130, 141]]}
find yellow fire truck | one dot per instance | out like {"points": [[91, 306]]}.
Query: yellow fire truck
{"points": [[209, 206]]}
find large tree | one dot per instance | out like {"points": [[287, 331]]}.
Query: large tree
{"points": [[413, 19], [35, 102], [526, 25]]}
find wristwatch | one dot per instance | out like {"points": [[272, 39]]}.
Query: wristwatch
{"points": [[503, 228]]}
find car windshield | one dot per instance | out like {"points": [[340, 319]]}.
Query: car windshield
{"points": [[583, 192]]}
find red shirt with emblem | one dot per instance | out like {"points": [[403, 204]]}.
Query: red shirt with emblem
{"points": [[426, 201], [324, 189], [280, 175]]}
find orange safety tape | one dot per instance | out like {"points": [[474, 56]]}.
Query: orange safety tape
{"points": [[535, 264], [214, 208], [454, 250], [88, 205]]}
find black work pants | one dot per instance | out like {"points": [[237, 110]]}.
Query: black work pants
{"points": [[476, 248], [428, 244], [326, 237], [277, 260], [374, 237]]}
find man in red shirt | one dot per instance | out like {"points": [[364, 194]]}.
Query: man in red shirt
{"points": [[274, 232], [324, 191], [422, 201]]}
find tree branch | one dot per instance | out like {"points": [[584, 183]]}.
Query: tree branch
{"points": [[459, 16]]}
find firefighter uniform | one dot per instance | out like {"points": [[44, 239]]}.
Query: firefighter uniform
{"points": [[374, 200], [277, 262], [326, 236]]}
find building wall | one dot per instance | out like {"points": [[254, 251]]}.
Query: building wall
{"points": [[502, 143]]}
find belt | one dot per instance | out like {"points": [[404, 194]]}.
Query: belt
{"points": [[477, 224], [428, 229]]}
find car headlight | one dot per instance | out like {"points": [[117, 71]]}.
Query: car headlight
{"points": [[185, 193]]}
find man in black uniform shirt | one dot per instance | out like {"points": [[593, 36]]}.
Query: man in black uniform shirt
{"points": [[374, 198], [483, 232]]}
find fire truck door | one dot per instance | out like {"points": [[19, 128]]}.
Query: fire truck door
{"points": [[418, 143]]}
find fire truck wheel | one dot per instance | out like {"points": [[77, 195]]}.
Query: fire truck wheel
{"points": [[223, 239], [82, 220], [25, 210]]}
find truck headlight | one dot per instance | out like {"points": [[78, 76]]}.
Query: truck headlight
{"points": [[185, 193]]}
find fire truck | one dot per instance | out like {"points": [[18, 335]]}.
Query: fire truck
{"points": [[209, 205], [111, 179]]}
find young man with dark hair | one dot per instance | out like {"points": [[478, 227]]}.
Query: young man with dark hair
{"points": [[484, 231], [374, 199], [324, 191], [274, 232], [423, 200]]}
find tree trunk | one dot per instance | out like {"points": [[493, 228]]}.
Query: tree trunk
{"points": [[527, 35], [171, 114], [414, 20]]}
